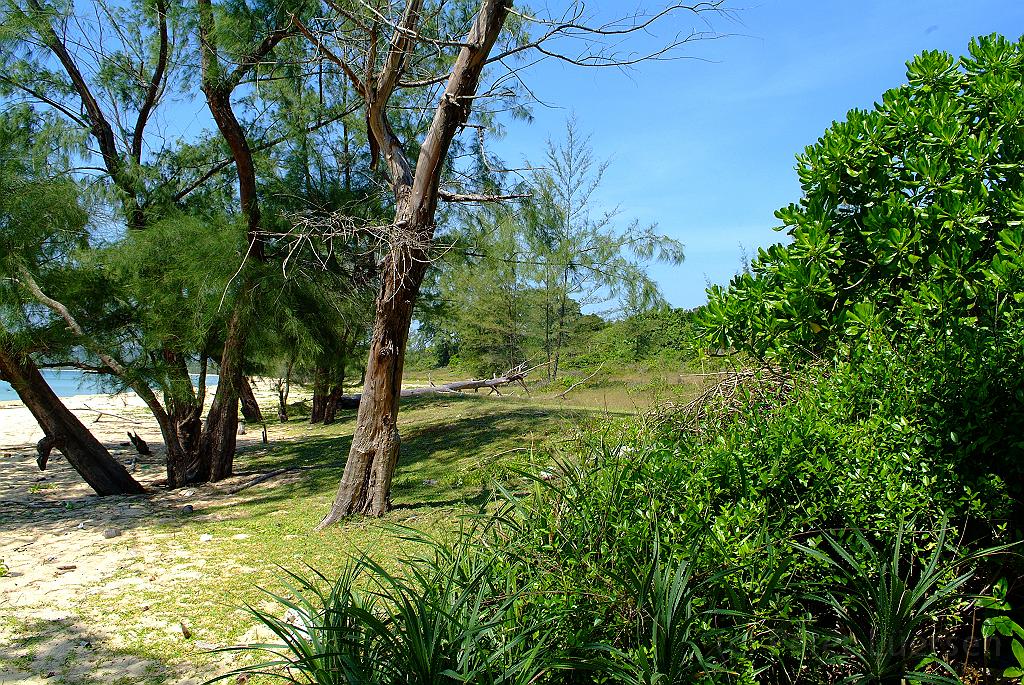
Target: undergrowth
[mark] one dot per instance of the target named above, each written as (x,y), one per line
(810,534)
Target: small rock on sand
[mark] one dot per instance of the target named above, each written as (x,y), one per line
(111,533)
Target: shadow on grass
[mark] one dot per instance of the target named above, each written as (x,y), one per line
(449,449)
(452,448)
(63,650)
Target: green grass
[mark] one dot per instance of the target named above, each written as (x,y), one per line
(453,448)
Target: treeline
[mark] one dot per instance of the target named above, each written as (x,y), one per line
(521,282)
(658,338)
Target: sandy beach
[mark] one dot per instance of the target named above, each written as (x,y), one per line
(108,417)
(60,544)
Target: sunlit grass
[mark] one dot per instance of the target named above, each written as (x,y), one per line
(199,569)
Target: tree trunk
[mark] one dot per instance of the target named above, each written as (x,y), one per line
(216,454)
(334,403)
(284,386)
(338,391)
(250,407)
(63,429)
(282,403)
(321,390)
(182,424)
(181,436)
(366,483)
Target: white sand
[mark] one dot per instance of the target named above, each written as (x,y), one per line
(53,546)
(108,417)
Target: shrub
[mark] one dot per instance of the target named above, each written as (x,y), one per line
(911,215)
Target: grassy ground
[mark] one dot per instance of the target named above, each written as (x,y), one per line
(172,568)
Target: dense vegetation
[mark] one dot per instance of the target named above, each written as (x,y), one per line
(844,510)
(841,503)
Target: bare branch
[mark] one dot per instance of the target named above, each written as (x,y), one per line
(326,52)
(463,197)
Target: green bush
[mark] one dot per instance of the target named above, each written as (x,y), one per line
(725,551)
(910,218)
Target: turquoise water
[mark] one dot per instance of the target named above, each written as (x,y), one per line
(68,382)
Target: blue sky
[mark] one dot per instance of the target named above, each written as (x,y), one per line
(706,147)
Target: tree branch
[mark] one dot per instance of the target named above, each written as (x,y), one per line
(155,83)
(323,49)
(469,197)
(456,102)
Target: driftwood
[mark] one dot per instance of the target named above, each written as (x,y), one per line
(517,375)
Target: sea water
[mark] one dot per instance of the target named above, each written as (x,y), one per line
(68,382)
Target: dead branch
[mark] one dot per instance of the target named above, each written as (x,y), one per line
(517,375)
(470,197)
(729,395)
(576,385)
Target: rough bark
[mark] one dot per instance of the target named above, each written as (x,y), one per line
(182,425)
(216,453)
(366,483)
(63,429)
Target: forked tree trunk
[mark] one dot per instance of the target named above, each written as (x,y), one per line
(334,403)
(181,436)
(63,430)
(182,425)
(216,453)
(366,483)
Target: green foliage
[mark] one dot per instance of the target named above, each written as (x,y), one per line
(1002,624)
(446,621)
(659,336)
(882,605)
(43,226)
(910,217)
(532,271)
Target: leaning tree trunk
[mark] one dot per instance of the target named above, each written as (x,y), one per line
(63,430)
(251,411)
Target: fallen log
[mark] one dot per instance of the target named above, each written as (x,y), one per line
(492,384)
